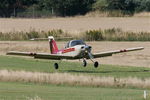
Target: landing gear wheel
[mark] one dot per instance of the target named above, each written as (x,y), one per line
(84,63)
(56,65)
(96,64)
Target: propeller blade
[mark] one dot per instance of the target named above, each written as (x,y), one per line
(90,55)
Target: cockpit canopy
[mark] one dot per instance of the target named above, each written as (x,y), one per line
(74,43)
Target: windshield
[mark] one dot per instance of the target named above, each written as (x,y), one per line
(77,42)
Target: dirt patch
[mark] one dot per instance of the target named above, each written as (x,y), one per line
(137,58)
(77,24)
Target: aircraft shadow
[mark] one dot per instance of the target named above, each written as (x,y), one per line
(79,71)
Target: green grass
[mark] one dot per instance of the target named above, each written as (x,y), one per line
(31,91)
(36,65)
(26,91)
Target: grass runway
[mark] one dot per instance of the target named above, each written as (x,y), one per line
(35,65)
(32,91)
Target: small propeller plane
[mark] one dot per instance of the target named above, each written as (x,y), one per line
(75,49)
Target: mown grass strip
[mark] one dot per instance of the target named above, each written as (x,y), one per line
(30,91)
(46,66)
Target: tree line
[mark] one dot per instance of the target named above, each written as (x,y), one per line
(41,8)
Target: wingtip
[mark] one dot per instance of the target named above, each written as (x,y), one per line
(32,39)
(9,52)
(141,47)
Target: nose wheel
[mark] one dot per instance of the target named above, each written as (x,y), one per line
(56,66)
(96,64)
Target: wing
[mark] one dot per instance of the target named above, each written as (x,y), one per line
(41,55)
(110,53)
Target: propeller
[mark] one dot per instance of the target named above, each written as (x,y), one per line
(91,56)
(88,49)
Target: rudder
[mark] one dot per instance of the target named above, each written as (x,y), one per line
(53,45)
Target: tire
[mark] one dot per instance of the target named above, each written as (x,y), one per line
(96,64)
(56,66)
(84,63)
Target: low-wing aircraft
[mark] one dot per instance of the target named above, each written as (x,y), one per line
(75,49)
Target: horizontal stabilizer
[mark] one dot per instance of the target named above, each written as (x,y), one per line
(21,53)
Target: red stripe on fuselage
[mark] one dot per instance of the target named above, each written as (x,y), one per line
(68,50)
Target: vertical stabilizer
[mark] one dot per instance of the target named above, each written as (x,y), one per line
(53,45)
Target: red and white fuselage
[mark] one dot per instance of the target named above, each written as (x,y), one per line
(71,49)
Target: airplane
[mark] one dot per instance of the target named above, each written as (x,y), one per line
(75,49)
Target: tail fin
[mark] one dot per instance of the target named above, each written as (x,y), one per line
(53,45)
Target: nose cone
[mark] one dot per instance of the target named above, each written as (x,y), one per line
(82,47)
(86,47)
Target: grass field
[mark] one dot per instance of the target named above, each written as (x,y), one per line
(35,65)
(26,91)
(32,79)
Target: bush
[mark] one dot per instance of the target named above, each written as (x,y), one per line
(31,34)
(93,35)
(114,34)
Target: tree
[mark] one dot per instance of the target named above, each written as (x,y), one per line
(100,5)
(7,7)
(67,7)
(125,6)
(142,5)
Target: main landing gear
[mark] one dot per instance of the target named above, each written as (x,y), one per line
(56,66)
